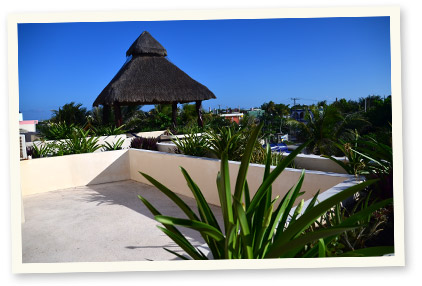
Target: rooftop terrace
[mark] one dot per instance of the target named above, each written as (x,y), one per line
(99,223)
(84,207)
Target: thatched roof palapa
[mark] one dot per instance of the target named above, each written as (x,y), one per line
(147,77)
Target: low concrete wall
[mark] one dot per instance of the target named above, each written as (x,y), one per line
(167,147)
(165,168)
(302,161)
(49,174)
(315,162)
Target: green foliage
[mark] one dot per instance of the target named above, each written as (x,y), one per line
(254,227)
(372,217)
(275,118)
(261,157)
(107,130)
(70,113)
(323,127)
(56,131)
(368,157)
(192,144)
(79,142)
(215,121)
(188,113)
(346,106)
(39,150)
(76,143)
(114,146)
(226,139)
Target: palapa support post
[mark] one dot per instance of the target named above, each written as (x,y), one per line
(199,112)
(117,114)
(106,114)
(173,114)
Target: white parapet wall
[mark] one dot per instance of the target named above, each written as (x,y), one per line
(302,161)
(53,173)
(165,168)
(316,162)
(168,147)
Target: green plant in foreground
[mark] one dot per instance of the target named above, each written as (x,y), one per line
(256,227)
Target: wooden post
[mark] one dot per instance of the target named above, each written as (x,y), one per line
(173,114)
(117,114)
(199,112)
(106,114)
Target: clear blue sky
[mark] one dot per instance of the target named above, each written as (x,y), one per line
(243,62)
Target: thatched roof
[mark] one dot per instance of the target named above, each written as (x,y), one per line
(145,44)
(149,78)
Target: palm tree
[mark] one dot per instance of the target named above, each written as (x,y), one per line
(322,125)
(70,113)
(326,125)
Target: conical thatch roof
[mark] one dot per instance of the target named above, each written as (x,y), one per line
(149,78)
(145,44)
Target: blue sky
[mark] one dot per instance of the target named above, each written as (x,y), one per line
(243,62)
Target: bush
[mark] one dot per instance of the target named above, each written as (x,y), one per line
(56,131)
(144,143)
(192,144)
(114,146)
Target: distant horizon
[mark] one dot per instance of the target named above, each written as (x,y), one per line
(245,63)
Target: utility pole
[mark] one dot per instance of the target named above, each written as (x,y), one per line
(294,100)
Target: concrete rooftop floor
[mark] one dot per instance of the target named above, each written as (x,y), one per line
(100,223)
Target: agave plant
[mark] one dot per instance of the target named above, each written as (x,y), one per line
(41,150)
(192,144)
(114,146)
(255,227)
(81,143)
(56,131)
(225,138)
(108,130)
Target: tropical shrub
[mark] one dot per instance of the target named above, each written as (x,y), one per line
(71,113)
(256,227)
(79,142)
(359,238)
(192,144)
(225,138)
(324,126)
(370,158)
(39,151)
(55,131)
(114,146)
(107,130)
(144,143)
